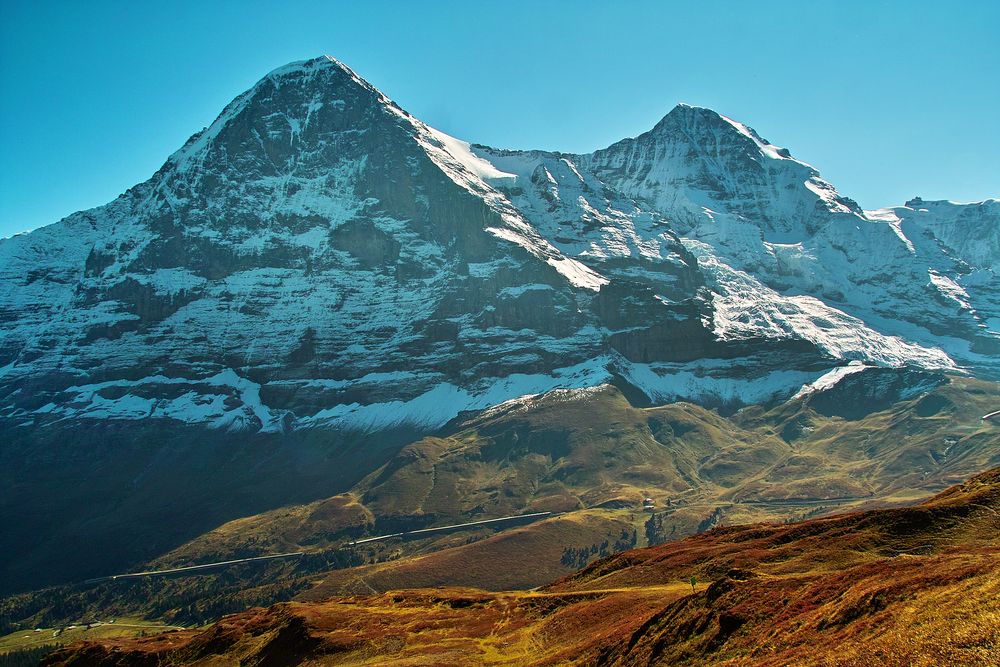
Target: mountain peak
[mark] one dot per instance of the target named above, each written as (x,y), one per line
(684,114)
(684,107)
(313,66)
(293,91)
(690,118)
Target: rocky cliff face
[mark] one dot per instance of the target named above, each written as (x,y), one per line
(300,259)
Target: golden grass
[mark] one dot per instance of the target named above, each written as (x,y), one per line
(521,557)
(860,589)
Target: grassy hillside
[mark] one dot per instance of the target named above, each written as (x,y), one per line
(903,586)
(573,450)
(28,641)
(901,451)
(512,559)
(592,456)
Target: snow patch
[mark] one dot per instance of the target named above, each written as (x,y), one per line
(667,383)
(462,151)
(889,217)
(828,380)
(766,148)
(445,401)
(949,289)
(827,193)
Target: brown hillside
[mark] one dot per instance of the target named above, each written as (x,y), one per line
(513,559)
(963,516)
(904,586)
(572,450)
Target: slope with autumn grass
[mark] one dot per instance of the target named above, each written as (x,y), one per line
(592,455)
(571,450)
(904,586)
(512,559)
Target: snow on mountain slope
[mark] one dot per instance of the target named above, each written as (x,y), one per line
(960,246)
(965,232)
(318,258)
(761,216)
(471,172)
(279,268)
(634,198)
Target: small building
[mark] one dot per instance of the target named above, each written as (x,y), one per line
(648,504)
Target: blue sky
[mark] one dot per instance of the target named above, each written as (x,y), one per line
(887,99)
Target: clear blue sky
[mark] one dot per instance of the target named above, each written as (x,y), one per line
(887,99)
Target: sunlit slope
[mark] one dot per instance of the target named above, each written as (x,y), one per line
(568,451)
(590,458)
(903,586)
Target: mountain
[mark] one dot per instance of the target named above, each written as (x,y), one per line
(318,257)
(318,279)
(903,586)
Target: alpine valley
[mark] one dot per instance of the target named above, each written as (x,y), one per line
(323,319)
